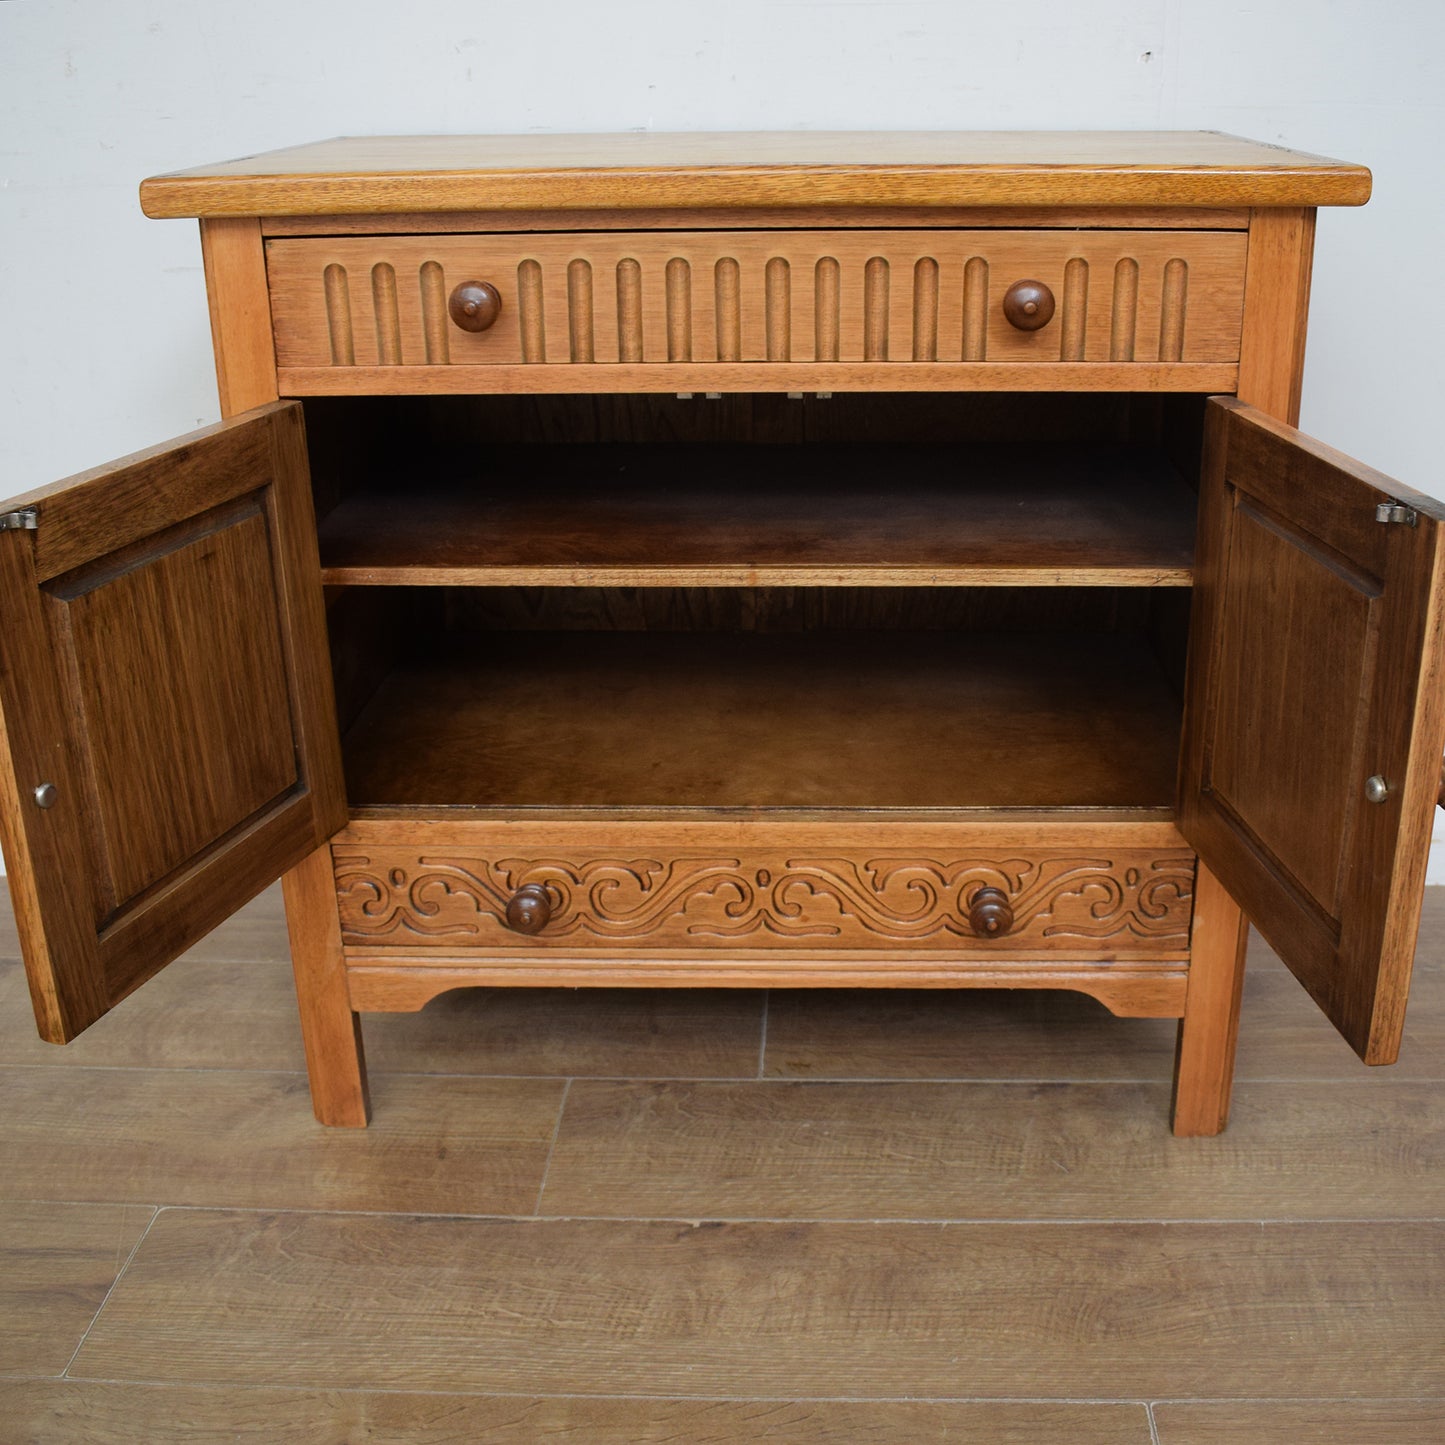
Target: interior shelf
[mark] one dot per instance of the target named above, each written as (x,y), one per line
(767,515)
(798,720)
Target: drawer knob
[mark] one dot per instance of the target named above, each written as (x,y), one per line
(1028,305)
(475,305)
(529,910)
(990,914)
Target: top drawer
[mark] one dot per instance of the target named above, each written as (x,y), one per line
(769,310)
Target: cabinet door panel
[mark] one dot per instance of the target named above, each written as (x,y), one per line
(163,673)
(1315,666)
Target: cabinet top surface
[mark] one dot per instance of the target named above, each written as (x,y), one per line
(355,175)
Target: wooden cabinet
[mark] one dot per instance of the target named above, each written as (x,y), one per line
(743,560)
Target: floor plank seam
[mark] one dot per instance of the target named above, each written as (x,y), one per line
(296,1073)
(119,1275)
(981,1221)
(1300,1400)
(990,1080)
(712,1399)
(763,1037)
(872,1080)
(551,1148)
(1153,1424)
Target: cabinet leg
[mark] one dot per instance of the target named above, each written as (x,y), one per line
(1209,1030)
(330,1030)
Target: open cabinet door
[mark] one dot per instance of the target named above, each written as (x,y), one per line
(168,741)
(1315,710)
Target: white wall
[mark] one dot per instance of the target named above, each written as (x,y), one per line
(104,346)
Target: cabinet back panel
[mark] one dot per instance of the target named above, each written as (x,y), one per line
(780,609)
(457,428)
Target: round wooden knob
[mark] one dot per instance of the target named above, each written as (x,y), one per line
(990,914)
(1028,305)
(475,305)
(529,910)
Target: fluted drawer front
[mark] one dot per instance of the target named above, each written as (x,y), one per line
(776,297)
(1057,902)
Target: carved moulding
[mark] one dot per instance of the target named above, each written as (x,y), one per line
(1134,904)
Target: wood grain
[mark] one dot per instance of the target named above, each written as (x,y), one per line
(1276,311)
(747,378)
(772,516)
(622,218)
(641,1033)
(56,1263)
(1124,613)
(246,1138)
(842,1034)
(1064,1312)
(355,175)
(390,981)
(330,1027)
(1209,1030)
(189,732)
(1300,1422)
(1034,1151)
(171,1023)
(240,305)
(94,1413)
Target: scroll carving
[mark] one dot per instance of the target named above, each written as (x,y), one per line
(1137,905)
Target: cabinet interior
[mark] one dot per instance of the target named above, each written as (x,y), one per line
(858,602)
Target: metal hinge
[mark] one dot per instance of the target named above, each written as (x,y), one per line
(1397,512)
(26,520)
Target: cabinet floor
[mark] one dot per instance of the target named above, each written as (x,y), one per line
(633,1215)
(836,720)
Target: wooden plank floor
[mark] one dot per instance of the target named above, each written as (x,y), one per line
(640,1216)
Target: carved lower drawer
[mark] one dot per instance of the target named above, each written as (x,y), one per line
(1058,903)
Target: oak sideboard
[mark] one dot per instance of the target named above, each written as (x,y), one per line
(737,560)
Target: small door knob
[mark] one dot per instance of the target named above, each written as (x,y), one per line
(529,910)
(1376,789)
(475,305)
(1028,305)
(45,795)
(990,914)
